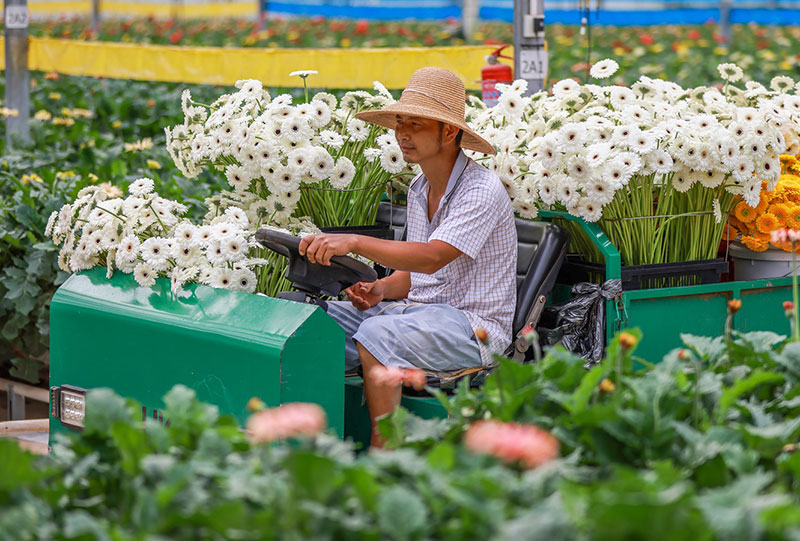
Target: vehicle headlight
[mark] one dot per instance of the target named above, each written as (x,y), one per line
(69,405)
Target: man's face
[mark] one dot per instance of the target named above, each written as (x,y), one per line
(419,138)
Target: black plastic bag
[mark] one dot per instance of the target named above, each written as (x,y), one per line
(579,324)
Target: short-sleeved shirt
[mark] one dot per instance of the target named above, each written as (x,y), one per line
(476,217)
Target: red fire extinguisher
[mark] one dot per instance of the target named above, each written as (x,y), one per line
(492,73)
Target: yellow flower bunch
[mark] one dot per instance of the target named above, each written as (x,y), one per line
(33,177)
(66,175)
(142,144)
(776,209)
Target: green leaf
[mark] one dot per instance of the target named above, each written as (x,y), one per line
(742,386)
(789,358)
(17,466)
(80,523)
(104,408)
(315,477)
(26,369)
(401,513)
(710,349)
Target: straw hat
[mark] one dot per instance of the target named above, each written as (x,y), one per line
(433,93)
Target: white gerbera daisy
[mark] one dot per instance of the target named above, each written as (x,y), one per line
(358,129)
(239,177)
(296,129)
(155,253)
(144,275)
(597,153)
(331,139)
(642,142)
(141,186)
(781,84)
(548,187)
(321,164)
(392,159)
(604,69)
(578,168)
(300,160)
(621,96)
(730,72)
(244,280)
(205,233)
(599,191)
(215,253)
(567,191)
(329,99)
(372,154)
(222,278)
(571,137)
(286,178)
(660,161)
(682,180)
(589,210)
(234,247)
(237,216)
(566,87)
(187,254)
(742,169)
(712,178)
(343,173)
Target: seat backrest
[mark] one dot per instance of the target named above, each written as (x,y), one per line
(541,248)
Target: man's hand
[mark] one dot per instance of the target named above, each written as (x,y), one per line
(365,295)
(321,248)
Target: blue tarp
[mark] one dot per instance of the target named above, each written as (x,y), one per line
(613,13)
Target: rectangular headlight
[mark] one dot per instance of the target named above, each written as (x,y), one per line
(69,405)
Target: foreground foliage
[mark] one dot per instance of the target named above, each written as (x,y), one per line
(700,446)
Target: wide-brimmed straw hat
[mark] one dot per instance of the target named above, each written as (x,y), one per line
(433,93)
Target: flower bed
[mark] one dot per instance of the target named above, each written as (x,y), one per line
(685,54)
(702,446)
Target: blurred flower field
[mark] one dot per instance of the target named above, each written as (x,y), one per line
(687,55)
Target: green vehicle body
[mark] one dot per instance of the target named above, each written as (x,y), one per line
(230,346)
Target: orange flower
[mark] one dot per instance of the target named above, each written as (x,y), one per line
(757,245)
(781,213)
(744,212)
(793,217)
(734,305)
(730,233)
(767,222)
(762,235)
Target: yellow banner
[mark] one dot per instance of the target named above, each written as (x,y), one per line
(338,68)
(165,10)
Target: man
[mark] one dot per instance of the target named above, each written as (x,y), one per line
(454,275)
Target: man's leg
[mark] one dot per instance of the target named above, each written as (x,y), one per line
(429,337)
(381,399)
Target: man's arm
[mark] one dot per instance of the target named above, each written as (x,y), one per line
(423,257)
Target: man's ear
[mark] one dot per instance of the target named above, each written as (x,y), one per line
(449,133)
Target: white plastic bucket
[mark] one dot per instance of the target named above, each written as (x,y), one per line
(750,265)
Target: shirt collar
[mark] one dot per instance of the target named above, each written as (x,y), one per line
(459,166)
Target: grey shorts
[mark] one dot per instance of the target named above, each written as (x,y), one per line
(435,337)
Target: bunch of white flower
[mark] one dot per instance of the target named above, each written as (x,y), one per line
(270,148)
(144,234)
(580,147)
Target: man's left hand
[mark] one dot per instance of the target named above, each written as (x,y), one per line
(320,248)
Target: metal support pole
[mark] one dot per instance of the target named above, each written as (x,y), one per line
(530,55)
(96,16)
(725,19)
(16,405)
(17,79)
(469,17)
(262,12)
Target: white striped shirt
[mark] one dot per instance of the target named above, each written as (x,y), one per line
(475,216)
